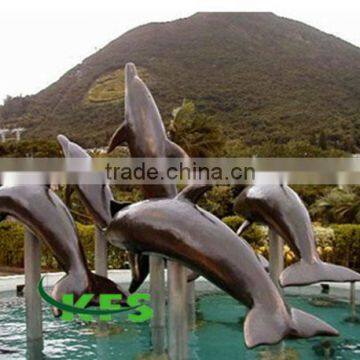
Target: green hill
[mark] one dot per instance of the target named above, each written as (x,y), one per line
(264,78)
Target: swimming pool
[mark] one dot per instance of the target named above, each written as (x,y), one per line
(218,334)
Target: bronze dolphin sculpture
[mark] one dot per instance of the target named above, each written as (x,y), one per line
(144,132)
(282,210)
(43,212)
(178,229)
(95,197)
(97,200)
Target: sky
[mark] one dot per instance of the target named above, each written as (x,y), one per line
(42,39)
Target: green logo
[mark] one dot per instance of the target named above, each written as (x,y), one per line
(106,309)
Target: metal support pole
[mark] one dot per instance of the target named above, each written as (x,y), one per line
(34,349)
(178,328)
(157,294)
(353,300)
(276,256)
(32,278)
(191,304)
(101,264)
(100,253)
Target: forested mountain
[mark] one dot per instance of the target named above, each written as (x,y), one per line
(262,77)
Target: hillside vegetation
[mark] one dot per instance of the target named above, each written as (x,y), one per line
(264,79)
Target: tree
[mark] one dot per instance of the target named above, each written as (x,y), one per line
(322,140)
(14,106)
(338,206)
(199,135)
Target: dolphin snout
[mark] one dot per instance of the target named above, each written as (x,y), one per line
(64,142)
(115,237)
(130,71)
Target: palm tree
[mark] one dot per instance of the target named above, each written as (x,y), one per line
(198,134)
(338,206)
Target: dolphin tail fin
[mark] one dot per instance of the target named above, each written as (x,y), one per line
(69,284)
(307,325)
(303,273)
(263,327)
(140,267)
(79,285)
(119,137)
(102,285)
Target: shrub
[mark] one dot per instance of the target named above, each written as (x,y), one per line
(12,248)
(255,235)
(233,222)
(198,134)
(338,244)
(27,148)
(218,201)
(346,246)
(11,244)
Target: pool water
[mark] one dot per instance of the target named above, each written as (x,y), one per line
(218,334)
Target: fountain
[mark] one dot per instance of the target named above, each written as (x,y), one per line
(189,237)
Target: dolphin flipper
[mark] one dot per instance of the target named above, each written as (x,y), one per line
(118,138)
(243,227)
(262,327)
(140,267)
(303,273)
(175,151)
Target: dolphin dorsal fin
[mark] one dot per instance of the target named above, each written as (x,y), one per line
(116,206)
(193,192)
(119,137)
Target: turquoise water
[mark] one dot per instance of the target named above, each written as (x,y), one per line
(218,334)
